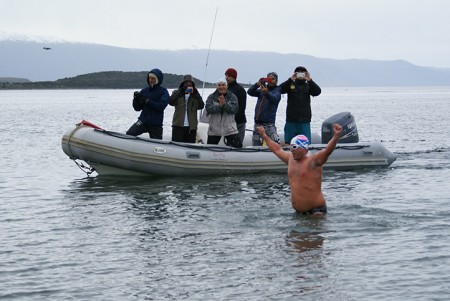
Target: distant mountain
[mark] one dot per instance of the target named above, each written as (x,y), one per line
(25,59)
(14,80)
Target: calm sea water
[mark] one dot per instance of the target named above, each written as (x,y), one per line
(65,236)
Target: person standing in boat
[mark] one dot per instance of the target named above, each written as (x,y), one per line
(299,88)
(269,96)
(239,91)
(187,101)
(221,106)
(151,101)
(305,170)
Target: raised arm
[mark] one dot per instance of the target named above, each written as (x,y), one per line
(321,157)
(273,146)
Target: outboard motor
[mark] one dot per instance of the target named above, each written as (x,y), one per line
(349,130)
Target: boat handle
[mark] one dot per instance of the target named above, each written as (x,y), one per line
(193,155)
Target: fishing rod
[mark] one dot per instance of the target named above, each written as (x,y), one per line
(209,49)
(203,118)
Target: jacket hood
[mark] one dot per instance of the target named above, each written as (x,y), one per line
(186,78)
(159,75)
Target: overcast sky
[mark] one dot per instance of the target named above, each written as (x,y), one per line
(412,30)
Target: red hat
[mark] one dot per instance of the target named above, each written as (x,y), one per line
(231,72)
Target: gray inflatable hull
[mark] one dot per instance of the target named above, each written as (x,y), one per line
(112,153)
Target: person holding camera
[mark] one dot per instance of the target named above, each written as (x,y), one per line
(299,88)
(269,96)
(187,101)
(239,91)
(221,106)
(151,101)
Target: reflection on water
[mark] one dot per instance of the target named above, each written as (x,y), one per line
(305,242)
(224,238)
(217,232)
(304,239)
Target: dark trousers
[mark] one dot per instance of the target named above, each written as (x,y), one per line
(231,140)
(183,134)
(139,128)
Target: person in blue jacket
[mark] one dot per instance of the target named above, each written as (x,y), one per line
(151,101)
(269,96)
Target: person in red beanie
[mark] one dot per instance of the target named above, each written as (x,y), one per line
(239,91)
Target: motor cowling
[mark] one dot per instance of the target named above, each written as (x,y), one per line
(349,129)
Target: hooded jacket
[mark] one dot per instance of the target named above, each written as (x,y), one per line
(221,119)
(194,103)
(299,93)
(156,100)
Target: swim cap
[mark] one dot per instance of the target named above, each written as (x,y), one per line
(300,141)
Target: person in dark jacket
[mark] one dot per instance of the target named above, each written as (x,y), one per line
(187,101)
(239,91)
(299,88)
(151,101)
(269,96)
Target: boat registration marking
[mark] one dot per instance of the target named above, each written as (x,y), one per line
(159,150)
(218,156)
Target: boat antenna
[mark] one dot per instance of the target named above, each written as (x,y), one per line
(209,48)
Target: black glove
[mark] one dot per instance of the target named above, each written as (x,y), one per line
(139,98)
(136,97)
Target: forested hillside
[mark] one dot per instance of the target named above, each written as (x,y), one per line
(102,80)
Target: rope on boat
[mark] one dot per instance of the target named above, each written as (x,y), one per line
(191,146)
(346,147)
(86,169)
(219,148)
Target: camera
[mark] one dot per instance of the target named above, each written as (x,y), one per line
(189,90)
(265,80)
(301,74)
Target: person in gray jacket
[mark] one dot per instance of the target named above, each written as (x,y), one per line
(221,106)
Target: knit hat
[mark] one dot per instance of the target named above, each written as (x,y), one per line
(300,69)
(300,141)
(273,74)
(231,72)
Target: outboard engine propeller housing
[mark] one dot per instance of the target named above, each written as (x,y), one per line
(349,130)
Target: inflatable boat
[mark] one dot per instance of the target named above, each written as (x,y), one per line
(111,153)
